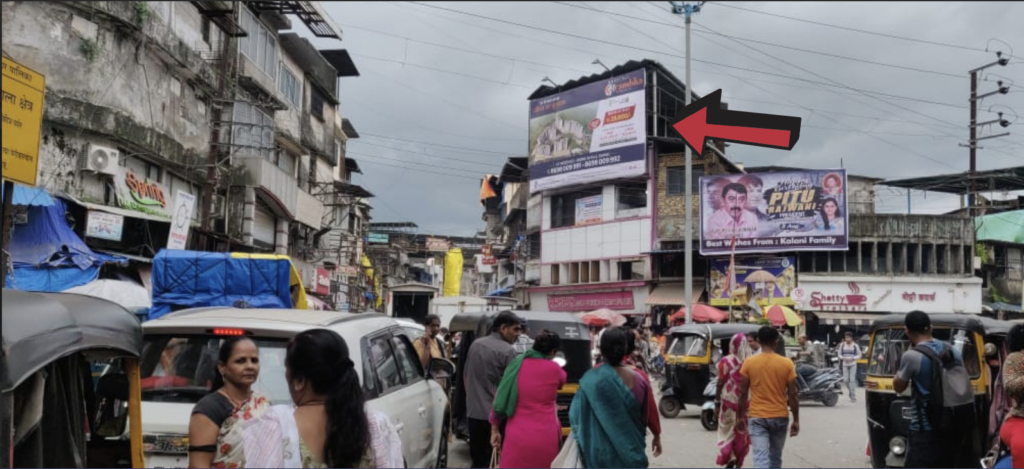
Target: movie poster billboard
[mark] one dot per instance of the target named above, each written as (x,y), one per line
(595,132)
(771,278)
(773,212)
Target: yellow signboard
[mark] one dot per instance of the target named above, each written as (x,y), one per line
(23,120)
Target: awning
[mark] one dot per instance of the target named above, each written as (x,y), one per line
(847,319)
(674,294)
(117,211)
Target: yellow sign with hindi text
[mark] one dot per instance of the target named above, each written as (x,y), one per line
(23,91)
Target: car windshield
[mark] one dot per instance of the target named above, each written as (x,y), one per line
(890,344)
(181,369)
(689,346)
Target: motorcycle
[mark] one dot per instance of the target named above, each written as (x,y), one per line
(824,385)
(707,412)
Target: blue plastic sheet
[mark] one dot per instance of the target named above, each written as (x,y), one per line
(190,279)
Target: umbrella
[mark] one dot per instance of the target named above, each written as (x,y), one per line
(701,313)
(780,315)
(604,317)
(760,276)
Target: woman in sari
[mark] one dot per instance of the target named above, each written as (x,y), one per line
(215,429)
(608,414)
(1012,432)
(733,438)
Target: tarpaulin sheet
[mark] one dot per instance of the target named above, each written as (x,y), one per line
(30,197)
(190,279)
(1006,227)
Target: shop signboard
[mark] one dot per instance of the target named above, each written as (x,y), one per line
(23,91)
(772,279)
(774,212)
(141,194)
(583,302)
(322,284)
(891,295)
(437,245)
(103,225)
(184,205)
(589,210)
(591,133)
(348,271)
(378,238)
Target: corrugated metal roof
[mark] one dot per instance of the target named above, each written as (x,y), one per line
(30,197)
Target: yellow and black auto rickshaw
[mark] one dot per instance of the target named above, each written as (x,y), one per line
(888,414)
(690,366)
(576,348)
(55,414)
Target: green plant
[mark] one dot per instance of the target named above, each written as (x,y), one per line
(90,49)
(998,297)
(983,252)
(141,12)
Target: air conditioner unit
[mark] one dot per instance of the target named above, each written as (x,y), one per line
(99,159)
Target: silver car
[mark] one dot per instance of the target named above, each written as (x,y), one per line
(180,356)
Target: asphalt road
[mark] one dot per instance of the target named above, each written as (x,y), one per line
(829,437)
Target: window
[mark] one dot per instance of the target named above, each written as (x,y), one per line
(207,30)
(253,131)
(821,261)
(290,87)
(853,258)
(563,207)
(631,270)
(389,375)
(316,103)
(837,261)
(689,346)
(286,161)
(632,196)
(676,184)
(408,361)
(370,386)
(154,173)
(889,345)
(942,259)
(805,262)
(927,251)
(671,265)
(555,274)
(867,258)
(882,258)
(260,46)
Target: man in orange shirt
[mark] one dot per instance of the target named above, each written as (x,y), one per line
(771,381)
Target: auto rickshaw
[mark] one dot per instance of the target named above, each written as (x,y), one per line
(53,413)
(576,347)
(888,414)
(690,366)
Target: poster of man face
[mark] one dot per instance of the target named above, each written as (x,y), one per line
(772,212)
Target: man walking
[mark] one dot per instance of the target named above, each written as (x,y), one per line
(485,365)
(936,437)
(850,352)
(770,380)
(755,346)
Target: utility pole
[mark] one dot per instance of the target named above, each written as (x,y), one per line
(972,202)
(224,95)
(687,10)
(7,213)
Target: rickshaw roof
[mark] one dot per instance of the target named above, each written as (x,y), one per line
(717,331)
(995,326)
(39,328)
(964,321)
(472,321)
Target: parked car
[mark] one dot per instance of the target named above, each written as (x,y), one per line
(411,329)
(180,355)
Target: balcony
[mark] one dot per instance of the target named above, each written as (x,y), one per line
(912,228)
(266,176)
(309,211)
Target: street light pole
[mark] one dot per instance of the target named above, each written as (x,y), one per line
(687,10)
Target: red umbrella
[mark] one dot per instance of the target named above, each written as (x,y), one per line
(701,313)
(603,317)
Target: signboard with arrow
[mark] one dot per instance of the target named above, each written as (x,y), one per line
(705,119)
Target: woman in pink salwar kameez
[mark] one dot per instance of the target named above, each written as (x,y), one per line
(533,434)
(733,435)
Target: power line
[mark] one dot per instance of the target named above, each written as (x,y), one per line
(847,28)
(466,149)
(415,123)
(407,64)
(429,154)
(457,176)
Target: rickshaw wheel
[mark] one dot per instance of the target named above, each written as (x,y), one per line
(442,451)
(708,420)
(669,407)
(830,399)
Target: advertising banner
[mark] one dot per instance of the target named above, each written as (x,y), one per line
(773,212)
(184,205)
(378,238)
(588,210)
(592,133)
(141,194)
(348,271)
(103,225)
(437,245)
(487,255)
(591,301)
(771,278)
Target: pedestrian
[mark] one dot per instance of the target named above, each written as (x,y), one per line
(333,426)
(849,351)
(936,431)
(607,415)
(1012,432)
(755,346)
(215,427)
(486,362)
(523,343)
(526,403)
(733,434)
(770,380)
(653,417)
(429,345)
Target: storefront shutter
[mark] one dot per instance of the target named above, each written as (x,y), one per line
(264,227)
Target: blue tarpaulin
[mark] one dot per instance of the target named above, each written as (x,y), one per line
(190,279)
(48,256)
(500,292)
(30,197)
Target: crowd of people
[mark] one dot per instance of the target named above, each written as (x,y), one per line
(512,402)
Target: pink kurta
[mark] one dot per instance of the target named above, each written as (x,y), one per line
(533,435)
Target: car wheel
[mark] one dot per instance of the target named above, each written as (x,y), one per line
(442,449)
(830,399)
(669,407)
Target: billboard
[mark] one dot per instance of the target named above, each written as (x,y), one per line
(589,210)
(772,212)
(595,132)
(771,278)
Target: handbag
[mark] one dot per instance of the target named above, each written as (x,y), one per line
(569,456)
(495,458)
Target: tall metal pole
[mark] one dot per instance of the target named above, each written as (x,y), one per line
(973,143)
(688,256)
(8,195)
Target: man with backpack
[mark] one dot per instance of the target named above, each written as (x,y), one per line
(942,413)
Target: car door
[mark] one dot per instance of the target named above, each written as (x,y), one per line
(418,389)
(393,397)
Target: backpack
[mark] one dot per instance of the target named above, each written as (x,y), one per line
(951,401)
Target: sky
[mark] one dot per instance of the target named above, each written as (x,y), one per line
(882,87)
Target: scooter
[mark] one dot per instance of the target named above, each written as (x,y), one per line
(824,385)
(707,411)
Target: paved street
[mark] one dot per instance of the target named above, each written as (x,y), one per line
(829,437)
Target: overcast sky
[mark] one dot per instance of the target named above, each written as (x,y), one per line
(445,92)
